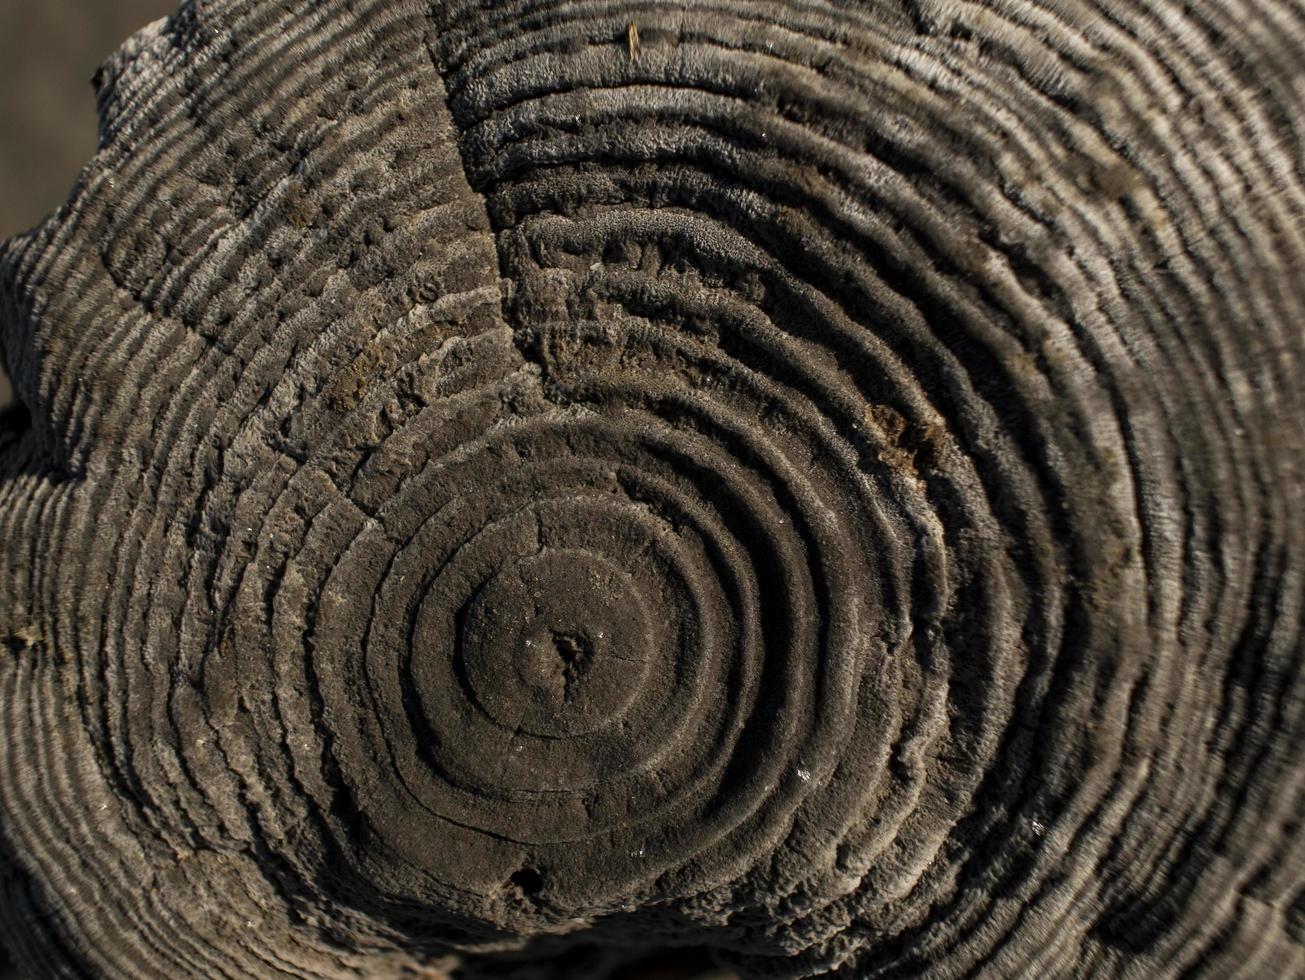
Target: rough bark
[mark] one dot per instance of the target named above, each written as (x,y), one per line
(516,484)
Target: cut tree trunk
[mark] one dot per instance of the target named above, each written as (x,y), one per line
(500,488)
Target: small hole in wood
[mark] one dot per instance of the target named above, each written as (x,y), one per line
(527,881)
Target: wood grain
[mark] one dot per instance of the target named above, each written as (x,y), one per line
(823,488)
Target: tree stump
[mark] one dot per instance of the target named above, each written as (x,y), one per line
(500,488)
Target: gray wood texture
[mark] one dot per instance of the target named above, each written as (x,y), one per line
(501,487)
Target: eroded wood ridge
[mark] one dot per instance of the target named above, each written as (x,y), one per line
(501,487)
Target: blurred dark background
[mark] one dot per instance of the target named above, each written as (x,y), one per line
(49,49)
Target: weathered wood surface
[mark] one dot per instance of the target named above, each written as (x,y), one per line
(817,481)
